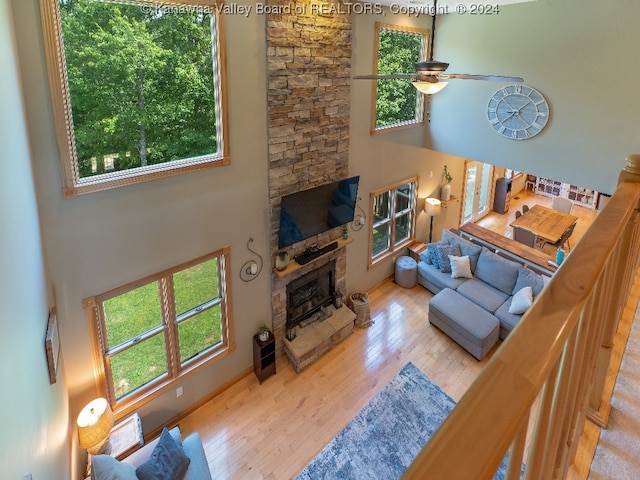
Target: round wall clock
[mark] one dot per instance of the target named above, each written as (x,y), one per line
(518,112)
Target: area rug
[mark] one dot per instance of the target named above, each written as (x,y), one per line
(388,433)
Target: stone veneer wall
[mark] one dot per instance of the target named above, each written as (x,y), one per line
(308,70)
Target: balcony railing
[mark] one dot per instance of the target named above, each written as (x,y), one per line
(535,394)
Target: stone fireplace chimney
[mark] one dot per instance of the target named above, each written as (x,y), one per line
(309,68)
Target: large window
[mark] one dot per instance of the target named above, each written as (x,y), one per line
(393,211)
(397,102)
(137,88)
(156,330)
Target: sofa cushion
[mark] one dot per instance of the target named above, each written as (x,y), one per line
(105,467)
(466,247)
(521,301)
(497,271)
(507,320)
(199,467)
(435,280)
(460,267)
(482,294)
(167,461)
(529,278)
(442,254)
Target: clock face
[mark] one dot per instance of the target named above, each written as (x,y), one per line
(518,112)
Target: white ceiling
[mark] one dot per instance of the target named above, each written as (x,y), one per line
(425,7)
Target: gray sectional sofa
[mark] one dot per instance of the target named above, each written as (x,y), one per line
(482,291)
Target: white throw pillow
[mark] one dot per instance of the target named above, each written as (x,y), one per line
(460,266)
(521,301)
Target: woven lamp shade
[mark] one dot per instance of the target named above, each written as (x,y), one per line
(94,424)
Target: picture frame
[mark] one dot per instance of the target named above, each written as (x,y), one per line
(52,346)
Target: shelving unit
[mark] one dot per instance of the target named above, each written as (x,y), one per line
(584,197)
(264,357)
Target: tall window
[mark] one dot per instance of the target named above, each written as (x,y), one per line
(397,102)
(393,211)
(154,331)
(137,88)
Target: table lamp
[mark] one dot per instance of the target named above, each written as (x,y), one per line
(432,207)
(94,424)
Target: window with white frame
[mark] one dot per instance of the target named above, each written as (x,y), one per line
(393,214)
(138,89)
(397,103)
(154,331)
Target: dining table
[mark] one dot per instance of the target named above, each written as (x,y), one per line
(548,224)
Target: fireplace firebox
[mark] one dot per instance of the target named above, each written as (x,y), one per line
(308,294)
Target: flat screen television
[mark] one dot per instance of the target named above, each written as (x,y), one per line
(310,212)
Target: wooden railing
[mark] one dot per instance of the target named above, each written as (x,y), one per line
(535,393)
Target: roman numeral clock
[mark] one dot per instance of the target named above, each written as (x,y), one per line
(518,112)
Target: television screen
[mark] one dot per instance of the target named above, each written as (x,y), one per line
(309,212)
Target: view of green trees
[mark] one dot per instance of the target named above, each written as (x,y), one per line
(397,53)
(141,84)
(138,312)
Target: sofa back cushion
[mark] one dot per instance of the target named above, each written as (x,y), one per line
(466,247)
(497,271)
(529,278)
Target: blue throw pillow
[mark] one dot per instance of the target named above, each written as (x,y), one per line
(431,253)
(167,461)
(443,252)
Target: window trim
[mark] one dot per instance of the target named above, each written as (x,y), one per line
(93,307)
(420,117)
(72,184)
(393,248)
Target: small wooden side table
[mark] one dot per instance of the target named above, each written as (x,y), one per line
(415,249)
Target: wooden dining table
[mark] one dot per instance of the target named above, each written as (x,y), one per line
(547,223)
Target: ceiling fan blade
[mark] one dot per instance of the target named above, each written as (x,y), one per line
(395,76)
(466,76)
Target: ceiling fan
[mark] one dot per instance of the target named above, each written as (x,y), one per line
(429,74)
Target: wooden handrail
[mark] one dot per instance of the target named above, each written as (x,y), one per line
(551,361)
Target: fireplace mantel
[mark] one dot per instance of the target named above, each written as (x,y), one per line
(294,266)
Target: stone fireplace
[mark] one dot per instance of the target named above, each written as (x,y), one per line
(308,295)
(309,69)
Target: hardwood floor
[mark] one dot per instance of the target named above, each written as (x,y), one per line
(271,431)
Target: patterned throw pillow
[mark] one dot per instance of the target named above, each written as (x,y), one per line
(443,252)
(431,253)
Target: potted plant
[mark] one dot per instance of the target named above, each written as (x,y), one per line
(263,333)
(445,193)
(345,231)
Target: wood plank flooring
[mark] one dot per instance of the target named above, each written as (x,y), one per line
(271,431)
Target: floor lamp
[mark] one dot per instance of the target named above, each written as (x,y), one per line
(432,207)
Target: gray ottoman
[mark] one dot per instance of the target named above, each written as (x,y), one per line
(470,326)
(406,272)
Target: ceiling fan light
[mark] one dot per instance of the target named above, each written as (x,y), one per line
(429,88)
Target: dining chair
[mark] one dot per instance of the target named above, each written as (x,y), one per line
(518,213)
(561,204)
(524,236)
(525,208)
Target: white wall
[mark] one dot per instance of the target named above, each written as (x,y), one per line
(580,54)
(34,414)
(99,241)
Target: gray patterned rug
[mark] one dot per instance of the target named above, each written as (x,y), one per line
(387,434)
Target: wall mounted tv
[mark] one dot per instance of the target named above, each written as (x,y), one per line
(309,212)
